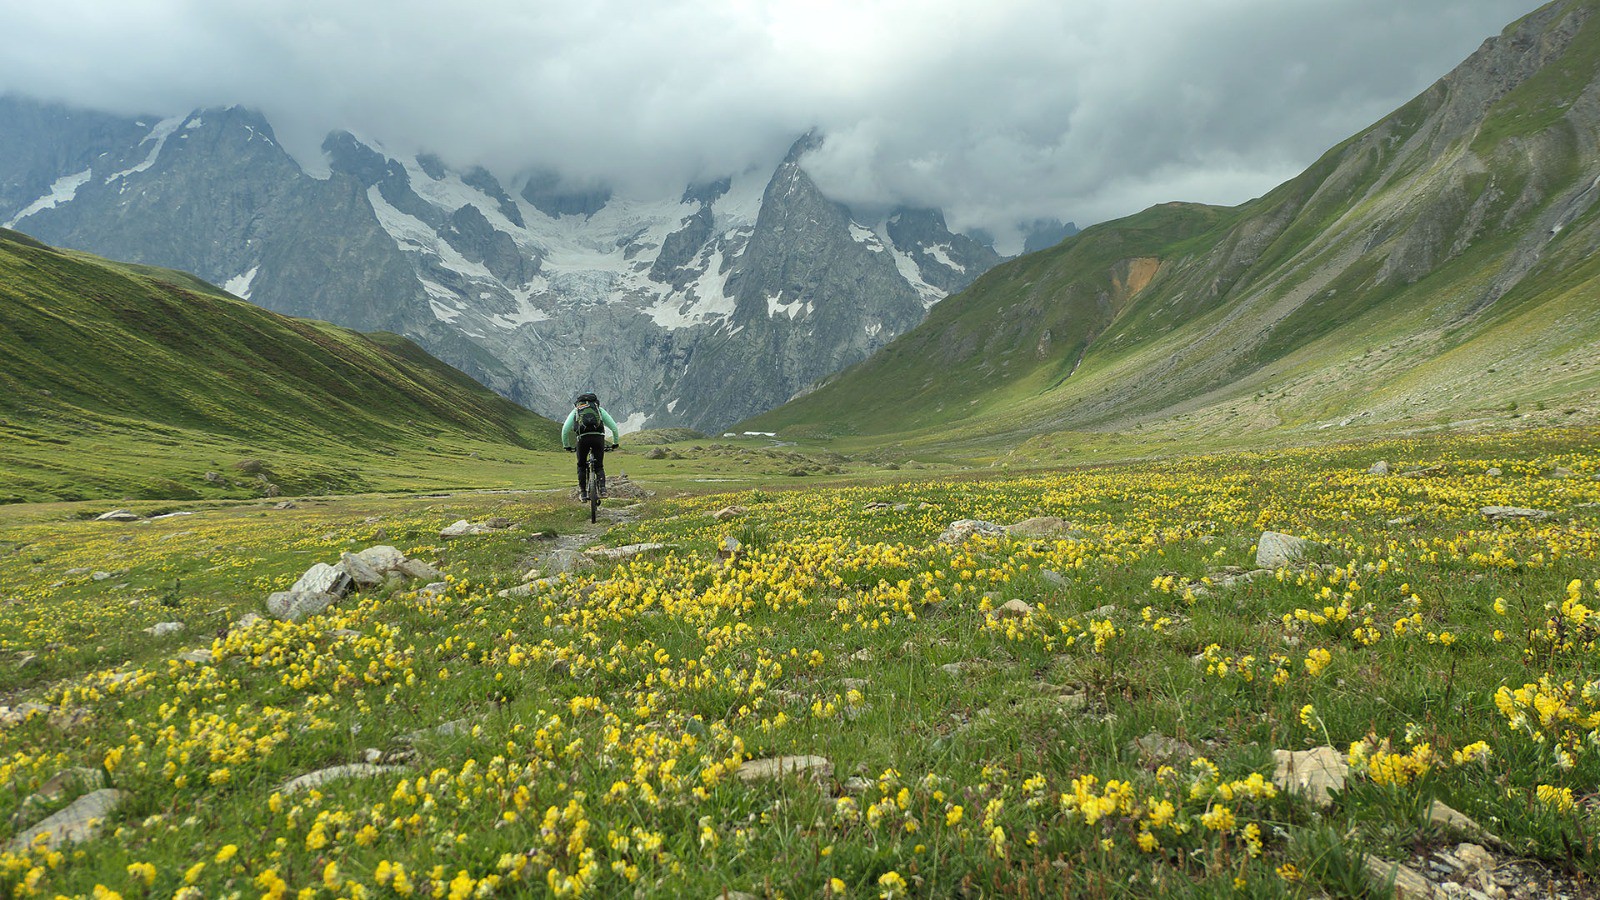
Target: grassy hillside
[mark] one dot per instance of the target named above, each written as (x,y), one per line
(1437,268)
(123,380)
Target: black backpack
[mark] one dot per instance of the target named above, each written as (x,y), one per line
(589,421)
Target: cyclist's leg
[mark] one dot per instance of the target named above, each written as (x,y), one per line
(599,463)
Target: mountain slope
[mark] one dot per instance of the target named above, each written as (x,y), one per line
(537,289)
(1437,267)
(123,379)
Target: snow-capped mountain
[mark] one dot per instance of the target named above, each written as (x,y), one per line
(699,309)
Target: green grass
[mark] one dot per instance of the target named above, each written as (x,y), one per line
(603,718)
(124,381)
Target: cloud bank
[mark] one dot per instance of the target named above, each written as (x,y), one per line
(998,112)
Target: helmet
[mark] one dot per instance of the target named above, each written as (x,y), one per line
(587,397)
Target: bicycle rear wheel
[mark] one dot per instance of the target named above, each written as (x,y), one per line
(594,496)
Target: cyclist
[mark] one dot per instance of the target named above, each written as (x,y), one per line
(585,432)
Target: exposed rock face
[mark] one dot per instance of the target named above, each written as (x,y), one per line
(538,291)
(1311,773)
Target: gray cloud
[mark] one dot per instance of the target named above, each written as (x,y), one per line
(998,112)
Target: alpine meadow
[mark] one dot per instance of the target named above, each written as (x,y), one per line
(1211,551)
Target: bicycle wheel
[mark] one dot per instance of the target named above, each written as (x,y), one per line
(594,496)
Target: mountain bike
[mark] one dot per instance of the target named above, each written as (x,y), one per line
(591,486)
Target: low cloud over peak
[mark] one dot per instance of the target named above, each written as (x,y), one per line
(998,113)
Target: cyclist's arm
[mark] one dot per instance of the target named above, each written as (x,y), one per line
(616,435)
(568,439)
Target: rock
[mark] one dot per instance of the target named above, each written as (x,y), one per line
(1275,550)
(1426,471)
(71,781)
(961,530)
(726,894)
(1053,577)
(1457,821)
(118,515)
(531,589)
(1498,513)
(1408,883)
(1312,773)
(1561,472)
(813,767)
(435,589)
(1104,612)
(162,629)
(100,576)
(1038,526)
(655,453)
(418,570)
(1013,609)
(568,561)
(451,728)
(287,504)
(73,573)
(729,551)
(296,606)
(1475,857)
(854,684)
(80,821)
(624,552)
(728,512)
(202,657)
(1073,701)
(1493,472)
(1381,467)
(216,478)
(361,573)
(383,558)
(461,528)
(323,579)
(345,634)
(954,669)
(334,773)
(864,655)
(27,661)
(246,620)
(498,523)
(1157,746)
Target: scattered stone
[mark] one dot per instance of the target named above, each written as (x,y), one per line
(1157,746)
(1275,550)
(875,505)
(118,515)
(202,657)
(323,579)
(452,728)
(726,894)
(1499,513)
(863,655)
(463,528)
(1073,701)
(334,773)
(246,620)
(1054,577)
(1475,858)
(1561,472)
(80,821)
(1013,609)
(418,570)
(383,558)
(27,661)
(1435,469)
(961,530)
(1408,883)
(1381,467)
(361,573)
(73,573)
(286,504)
(729,551)
(655,453)
(296,606)
(1104,612)
(728,512)
(1402,520)
(345,634)
(162,629)
(1038,526)
(100,576)
(1312,773)
(813,767)
(76,780)
(435,589)
(625,552)
(1459,822)
(216,478)
(531,589)
(854,684)
(568,561)
(1494,472)
(855,784)
(954,669)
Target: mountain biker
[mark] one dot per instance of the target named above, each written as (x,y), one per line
(585,432)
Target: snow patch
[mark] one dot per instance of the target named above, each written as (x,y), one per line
(796,309)
(632,423)
(875,329)
(61,191)
(239,285)
(526,314)
(672,407)
(193,123)
(443,301)
(411,233)
(702,300)
(909,270)
(159,134)
(941,253)
(863,235)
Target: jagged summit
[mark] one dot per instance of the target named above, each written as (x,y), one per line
(674,306)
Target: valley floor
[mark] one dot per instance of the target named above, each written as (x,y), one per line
(829,692)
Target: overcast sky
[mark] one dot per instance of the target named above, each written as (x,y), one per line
(998,111)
